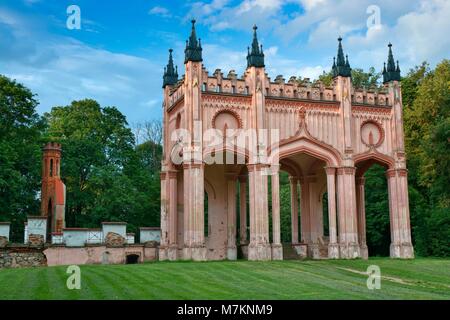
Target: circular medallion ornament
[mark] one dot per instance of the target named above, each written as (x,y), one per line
(372,133)
(228,118)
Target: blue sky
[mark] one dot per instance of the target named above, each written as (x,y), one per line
(118,55)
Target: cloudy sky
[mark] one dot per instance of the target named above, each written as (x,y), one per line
(118,55)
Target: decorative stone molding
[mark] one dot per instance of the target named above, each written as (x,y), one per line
(369,141)
(228,111)
(346,170)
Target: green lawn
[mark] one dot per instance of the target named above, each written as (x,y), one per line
(414,279)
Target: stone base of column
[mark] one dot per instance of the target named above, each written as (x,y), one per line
(232,253)
(313,251)
(364,251)
(407,251)
(333,251)
(187,253)
(301,249)
(162,253)
(277,252)
(199,254)
(172,252)
(244,250)
(259,252)
(349,251)
(402,251)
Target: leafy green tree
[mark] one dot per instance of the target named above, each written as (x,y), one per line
(20,161)
(360,78)
(377,211)
(107,177)
(427,137)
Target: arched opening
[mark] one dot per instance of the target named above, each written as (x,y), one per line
(304,216)
(223,171)
(372,201)
(377,218)
(206,213)
(285,208)
(51,167)
(132,259)
(49,219)
(325,218)
(178,121)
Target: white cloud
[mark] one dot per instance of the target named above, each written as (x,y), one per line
(160,11)
(417,36)
(61,69)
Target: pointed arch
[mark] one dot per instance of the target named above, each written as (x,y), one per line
(310,146)
(364,161)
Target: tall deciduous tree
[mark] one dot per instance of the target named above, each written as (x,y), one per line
(105,175)
(20,129)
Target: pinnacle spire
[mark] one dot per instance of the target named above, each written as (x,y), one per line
(391,72)
(193,51)
(255,55)
(170,73)
(341,66)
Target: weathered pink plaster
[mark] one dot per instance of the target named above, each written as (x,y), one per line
(60,255)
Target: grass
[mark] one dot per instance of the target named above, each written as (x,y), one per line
(339,279)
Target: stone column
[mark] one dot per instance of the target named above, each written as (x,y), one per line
(294,209)
(304,211)
(194,236)
(243,209)
(259,247)
(361,208)
(172,252)
(313,246)
(401,245)
(333,247)
(164,242)
(231,217)
(277,249)
(348,226)
(405,224)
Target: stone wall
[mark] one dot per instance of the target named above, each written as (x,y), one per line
(98,254)
(18,257)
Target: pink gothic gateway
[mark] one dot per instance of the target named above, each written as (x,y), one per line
(327,138)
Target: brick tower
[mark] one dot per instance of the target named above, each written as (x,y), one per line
(53,190)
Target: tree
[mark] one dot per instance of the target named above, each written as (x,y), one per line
(360,78)
(427,138)
(20,164)
(105,173)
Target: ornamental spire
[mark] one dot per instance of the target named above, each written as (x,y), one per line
(193,51)
(341,67)
(391,73)
(170,73)
(255,57)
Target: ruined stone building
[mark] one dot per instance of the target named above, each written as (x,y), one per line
(324,137)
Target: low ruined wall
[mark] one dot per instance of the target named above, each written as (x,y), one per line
(25,256)
(18,257)
(101,254)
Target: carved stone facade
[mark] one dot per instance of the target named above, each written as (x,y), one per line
(326,138)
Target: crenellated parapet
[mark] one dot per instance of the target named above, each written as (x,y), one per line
(280,89)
